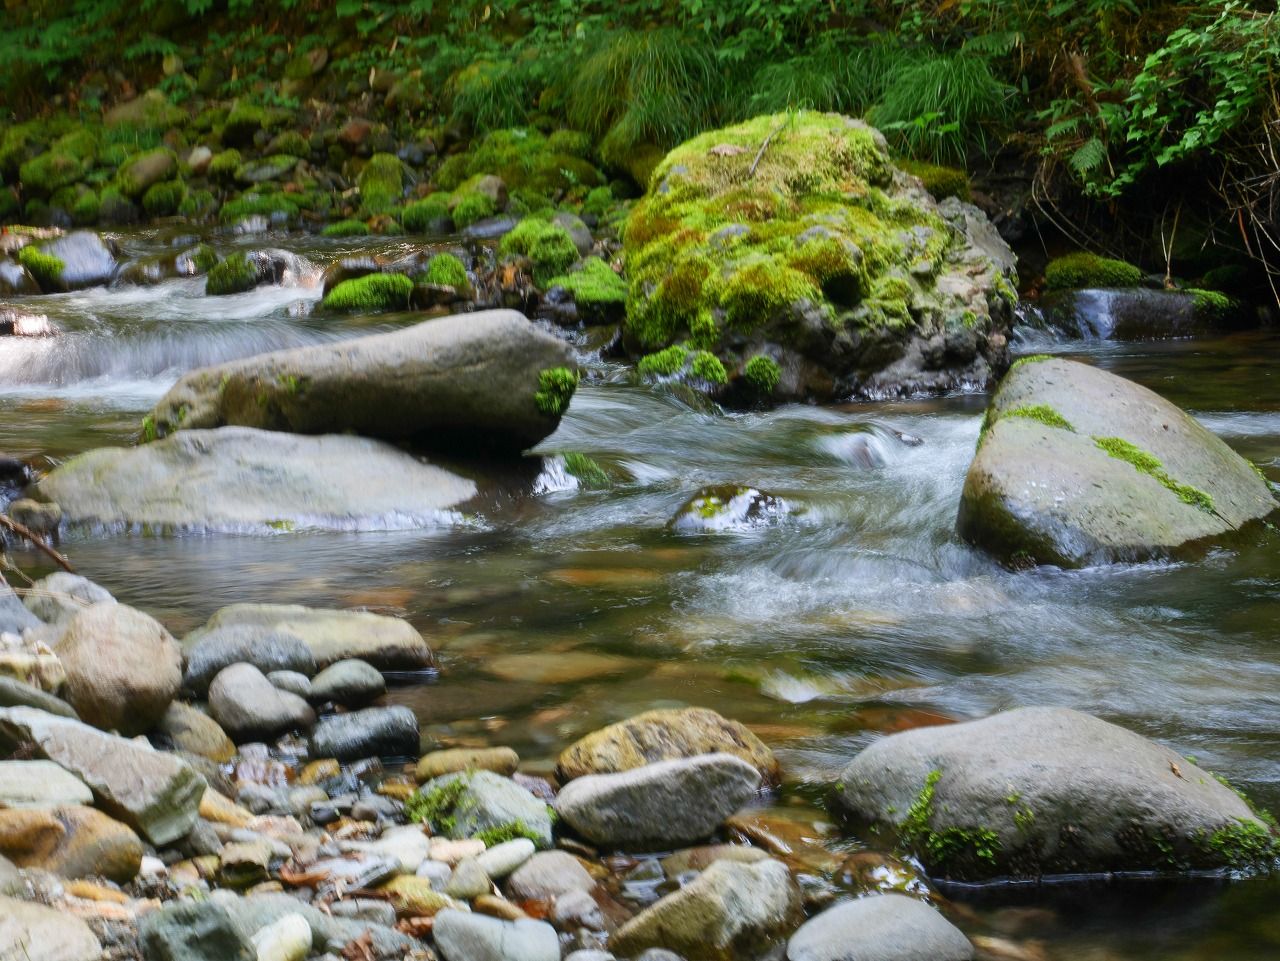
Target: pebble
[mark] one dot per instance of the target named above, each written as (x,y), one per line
(502,859)
(468,880)
(288,939)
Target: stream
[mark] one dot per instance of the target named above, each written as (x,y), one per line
(558,610)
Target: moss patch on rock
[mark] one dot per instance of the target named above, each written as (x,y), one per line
(1148,463)
(548,246)
(556,386)
(45,268)
(346,228)
(763,373)
(381,182)
(1043,414)
(1085,270)
(596,287)
(234,275)
(370,294)
(940,181)
(526,160)
(448,270)
(427,215)
(473,206)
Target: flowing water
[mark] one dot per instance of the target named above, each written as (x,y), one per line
(858,613)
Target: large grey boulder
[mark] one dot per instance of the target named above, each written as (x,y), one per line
(487,802)
(462,936)
(1076,466)
(730,910)
(192,931)
(237,479)
(61,596)
(1045,790)
(264,647)
(154,793)
(467,381)
(123,668)
(250,707)
(87,261)
(659,805)
(388,643)
(884,927)
(34,932)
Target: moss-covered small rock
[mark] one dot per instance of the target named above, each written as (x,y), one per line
(599,293)
(448,271)
(381,183)
(427,216)
(234,275)
(164,198)
(370,294)
(1084,270)
(548,246)
(346,228)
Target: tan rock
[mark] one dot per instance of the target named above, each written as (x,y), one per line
(71,841)
(499,760)
(219,808)
(196,733)
(33,932)
(414,897)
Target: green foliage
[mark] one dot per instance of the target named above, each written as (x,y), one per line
(370,294)
(224,164)
(346,228)
(234,275)
(549,246)
(1147,463)
(422,215)
(556,386)
(448,270)
(45,268)
(763,373)
(198,204)
(1082,270)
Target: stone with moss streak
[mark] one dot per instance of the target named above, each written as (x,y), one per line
(1036,492)
(467,379)
(1053,790)
(827,257)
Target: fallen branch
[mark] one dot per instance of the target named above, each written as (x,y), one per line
(26,533)
(763,147)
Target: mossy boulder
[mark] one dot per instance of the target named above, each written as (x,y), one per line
(429,215)
(381,183)
(164,198)
(1140,313)
(793,237)
(599,293)
(547,246)
(525,160)
(448,271)
(1044,790)
(234,275)
(145,170)
(1081,270)
(370,294)
(43,175)
(1076,466)
(77,260)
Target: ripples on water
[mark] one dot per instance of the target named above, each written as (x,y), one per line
(858,612)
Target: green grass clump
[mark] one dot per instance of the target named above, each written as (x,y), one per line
(424,215)
(346,228)
(234,275)
(381,183)
(45,268)
(164,198)
(268,205)
(1042,413)
(1084,270)
(587,471)
(1147,463)
(473,206)
(594,285)
(370,294)
(663,363)
(763,373)
(549,246)
(556,386)
(448,270)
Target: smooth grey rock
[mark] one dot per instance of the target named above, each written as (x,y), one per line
(468,881)
(578,909)
(1137,313)
(549,875)
(460,936)
(14,616)
(589,954)
(240,480)
(365,909)
(253,913)
(192,931)
(884,927)
(351,683)
(291,681)
(1054,791)
(15,693)
(33,932)
(659,805)
(375,731)
(248,706)
(501,859)
(87,260)
(123,668)
(40,784)
(62,595)
(265,648)
(388,643)
(156,794)
(730,909)
(463,381)
(489,801)
(1037,492)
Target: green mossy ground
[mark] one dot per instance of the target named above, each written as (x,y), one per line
(471,207)
(370,294)
(1083,270)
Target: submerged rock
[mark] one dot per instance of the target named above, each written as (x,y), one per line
(1136,313)
(238,479)
(487,379)
(214,647)
(1077,466)
(1042,790)
(727,508)
(787,257)
(886,927)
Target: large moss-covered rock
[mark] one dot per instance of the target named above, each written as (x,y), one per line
(488,379)
(239,480)
(793,239)
(1049,790)
(1077,466)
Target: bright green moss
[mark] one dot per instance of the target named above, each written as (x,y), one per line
(510,831)
(761,291)
(381,183)
(530,164)
(952,846)
(270,205)
(572,142)
(44,174)
(434,807)
(85,209)
(594,284)
(587,471)
(448,270)
(549,246)
(707,366)
(346,228)
(1041,413)
(148,431)
(664,363)
(940,181)
(427,214)
(234,275)
(45,268)
(763,373)
(556,386)
(370,294)
(1213,305)
(1084,270)
(473,206)
(163,199)
(224,164)
(598,201)
(1029,359)
(198,204)
(1148,463)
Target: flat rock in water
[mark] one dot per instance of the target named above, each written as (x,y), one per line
(462,936)
(467,381)
(375,731)
(156,794)
(33,932)
(1043,790)
(659,805)
(40,784)
(1077,466)
(236,479)
(350,683)
(887,927)
(388,643)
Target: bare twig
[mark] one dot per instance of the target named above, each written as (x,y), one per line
(28,534)
(763,147)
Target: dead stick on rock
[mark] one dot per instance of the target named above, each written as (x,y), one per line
(28,534)
(763,147)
